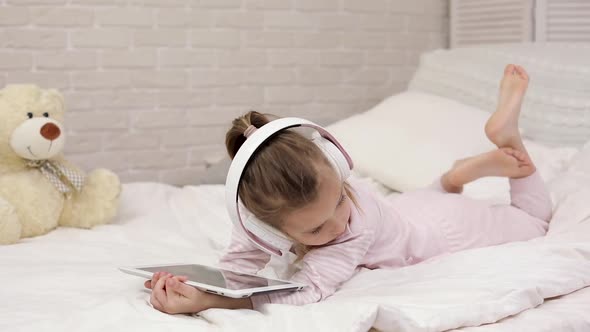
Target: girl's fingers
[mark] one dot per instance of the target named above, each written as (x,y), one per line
(180,287)
(159,292)
(170,291)
(152,282)
(156,276)
(155,303)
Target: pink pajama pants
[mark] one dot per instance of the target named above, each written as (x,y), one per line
(447,222)
(479,224)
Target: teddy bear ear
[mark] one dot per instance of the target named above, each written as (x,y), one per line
(57,97)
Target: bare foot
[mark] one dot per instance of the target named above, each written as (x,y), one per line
(505,162)
(502,126)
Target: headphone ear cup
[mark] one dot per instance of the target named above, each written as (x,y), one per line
(334,156)
(265,232)
(268,233)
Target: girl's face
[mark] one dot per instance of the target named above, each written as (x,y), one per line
(324,219)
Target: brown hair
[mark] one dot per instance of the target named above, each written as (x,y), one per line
(282,176)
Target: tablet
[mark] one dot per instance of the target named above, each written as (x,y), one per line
(217,281)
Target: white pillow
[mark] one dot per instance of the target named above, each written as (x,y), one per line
(555,110)
(410,139)
(580,163)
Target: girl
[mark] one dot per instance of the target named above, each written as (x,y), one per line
(340,227)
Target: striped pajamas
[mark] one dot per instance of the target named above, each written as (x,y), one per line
(400,231)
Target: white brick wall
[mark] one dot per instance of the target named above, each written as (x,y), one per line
(152,85)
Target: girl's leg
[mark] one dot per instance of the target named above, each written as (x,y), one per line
(527,193)
(472,223)
(504,162)
(530,195)
(502,127)
(502,130)
(530,210)
(469,223)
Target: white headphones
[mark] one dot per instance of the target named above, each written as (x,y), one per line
(264,236)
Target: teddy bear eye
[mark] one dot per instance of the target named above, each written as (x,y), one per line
(30,115)
(46,114)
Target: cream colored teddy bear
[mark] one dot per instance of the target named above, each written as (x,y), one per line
(39,190)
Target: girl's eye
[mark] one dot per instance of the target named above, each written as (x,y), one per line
(342,199)
(30,115)
(316,231)
(46,114)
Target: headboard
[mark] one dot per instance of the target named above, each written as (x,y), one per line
(476,22)
(562,20)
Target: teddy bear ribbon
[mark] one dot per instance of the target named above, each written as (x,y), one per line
(63,178)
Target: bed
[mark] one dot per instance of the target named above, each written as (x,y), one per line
(68,279)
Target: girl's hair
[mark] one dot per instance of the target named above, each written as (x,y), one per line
(282,176)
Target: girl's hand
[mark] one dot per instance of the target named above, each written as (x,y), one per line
(156,276)
(171,295)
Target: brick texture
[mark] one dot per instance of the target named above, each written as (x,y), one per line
(152,85)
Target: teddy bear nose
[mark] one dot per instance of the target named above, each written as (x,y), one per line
(50,131)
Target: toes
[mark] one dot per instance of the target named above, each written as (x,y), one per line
(522,73)
(516,154)
(508,151)
(509,69)
(520,156)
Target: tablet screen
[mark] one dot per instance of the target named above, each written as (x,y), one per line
(216,277)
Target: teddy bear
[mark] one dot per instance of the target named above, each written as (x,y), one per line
(39,189)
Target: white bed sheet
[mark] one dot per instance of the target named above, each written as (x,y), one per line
(67,279)
(563,313)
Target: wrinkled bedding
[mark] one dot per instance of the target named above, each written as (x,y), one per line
(68,279)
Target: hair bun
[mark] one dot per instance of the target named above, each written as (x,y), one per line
(236,135)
